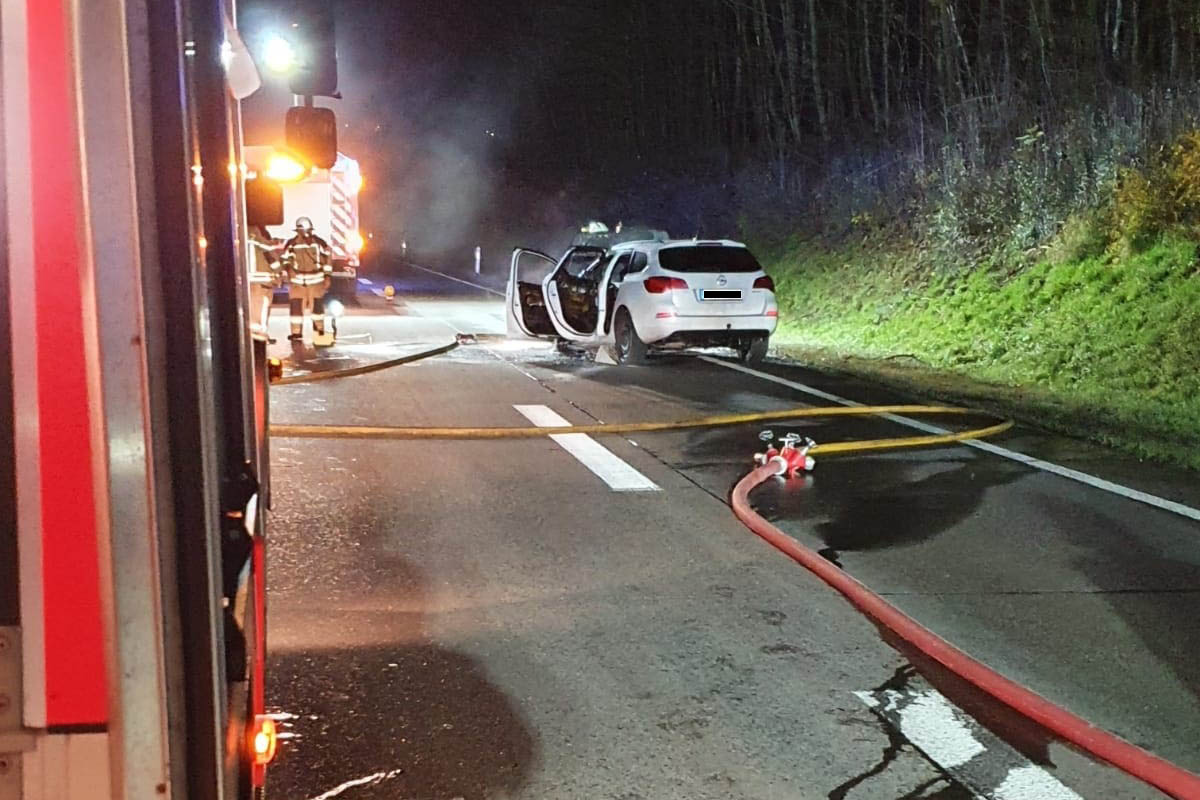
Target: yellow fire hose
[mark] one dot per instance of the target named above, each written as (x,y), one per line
(721,421)
(331,375)
(617,429)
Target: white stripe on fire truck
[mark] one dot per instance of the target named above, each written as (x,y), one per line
(23,313)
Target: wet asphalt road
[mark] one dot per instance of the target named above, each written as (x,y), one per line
(490,619)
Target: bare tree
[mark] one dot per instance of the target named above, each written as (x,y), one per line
(814,64)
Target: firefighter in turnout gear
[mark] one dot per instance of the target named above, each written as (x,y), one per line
(309,262)
(265,275)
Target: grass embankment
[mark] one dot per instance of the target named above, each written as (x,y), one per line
(1104,345)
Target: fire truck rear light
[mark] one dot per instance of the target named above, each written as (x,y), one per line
(263,739)
(357,242)
(274,369)
(283,168)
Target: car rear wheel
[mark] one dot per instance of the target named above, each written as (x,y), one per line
(753,349)
(630,348)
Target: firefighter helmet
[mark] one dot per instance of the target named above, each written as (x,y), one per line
(304,225)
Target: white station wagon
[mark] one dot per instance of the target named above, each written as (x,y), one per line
(637,297)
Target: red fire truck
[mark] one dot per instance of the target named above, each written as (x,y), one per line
(133,484)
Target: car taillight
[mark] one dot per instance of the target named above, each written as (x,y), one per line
(765,282)
(659,284)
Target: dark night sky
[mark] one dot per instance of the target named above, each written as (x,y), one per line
(696,116)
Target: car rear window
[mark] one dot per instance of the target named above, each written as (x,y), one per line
(702,258)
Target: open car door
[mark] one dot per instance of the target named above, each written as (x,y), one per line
(572,292)
(524,299)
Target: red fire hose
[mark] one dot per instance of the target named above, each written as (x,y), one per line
(1175,781)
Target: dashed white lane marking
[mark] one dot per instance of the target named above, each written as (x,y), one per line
(1029,461)
(457,280)
(972,755)
(600,460)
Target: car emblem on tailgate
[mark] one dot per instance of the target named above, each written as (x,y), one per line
(722,280)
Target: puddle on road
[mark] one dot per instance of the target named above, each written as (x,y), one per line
(851,503)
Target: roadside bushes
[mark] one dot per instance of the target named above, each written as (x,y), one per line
(1161,197)
(1004,191)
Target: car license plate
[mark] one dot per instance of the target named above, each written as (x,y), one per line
(721,294)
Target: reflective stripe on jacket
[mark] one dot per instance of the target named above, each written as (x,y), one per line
(307,278)
(266,261)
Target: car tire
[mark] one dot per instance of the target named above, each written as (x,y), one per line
(753,350)
(630,347)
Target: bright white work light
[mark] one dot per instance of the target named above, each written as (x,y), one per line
(278,55)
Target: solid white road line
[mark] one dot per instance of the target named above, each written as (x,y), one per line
(366,780)
(609,468)
(987,447)
(929,721)
(457,280)
(1031,783)
(962,747)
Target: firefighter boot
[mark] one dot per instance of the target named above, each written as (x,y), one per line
(296,312)
(320,337)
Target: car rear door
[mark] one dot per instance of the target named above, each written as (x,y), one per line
(524,299)
(613,278)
